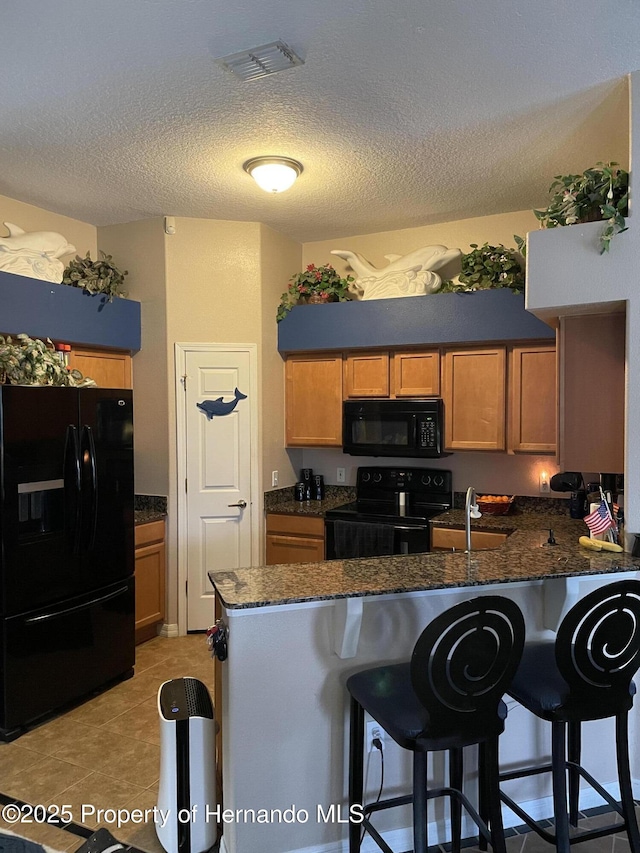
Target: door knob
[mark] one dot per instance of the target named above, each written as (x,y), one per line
(241,504)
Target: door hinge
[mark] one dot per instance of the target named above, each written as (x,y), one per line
(186,588)
(185,484)
(183,378)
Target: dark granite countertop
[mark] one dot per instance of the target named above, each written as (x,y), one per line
(144,516)
(318,508)
(524,556)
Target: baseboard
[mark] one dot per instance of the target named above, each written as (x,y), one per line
(168,630)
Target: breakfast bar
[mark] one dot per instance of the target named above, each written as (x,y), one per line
(296,633)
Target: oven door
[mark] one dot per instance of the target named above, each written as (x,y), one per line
(353,538)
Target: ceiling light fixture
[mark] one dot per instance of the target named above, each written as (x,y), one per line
(273,174)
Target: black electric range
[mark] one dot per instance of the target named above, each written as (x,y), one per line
(390,514)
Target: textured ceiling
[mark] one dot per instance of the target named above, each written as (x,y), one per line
(405,113)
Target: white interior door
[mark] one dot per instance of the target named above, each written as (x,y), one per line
(220,402)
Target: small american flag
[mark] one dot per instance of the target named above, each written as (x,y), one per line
(600,520)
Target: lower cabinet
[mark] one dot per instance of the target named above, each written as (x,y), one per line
(294,539)
(450,539)
(150,570)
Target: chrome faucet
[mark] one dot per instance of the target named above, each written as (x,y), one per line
(470,511)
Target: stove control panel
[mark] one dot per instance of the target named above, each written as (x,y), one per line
(415,480)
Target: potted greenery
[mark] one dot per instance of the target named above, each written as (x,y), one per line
(315,284)
(600,193)
(34,362)
(486,267)
(101,276)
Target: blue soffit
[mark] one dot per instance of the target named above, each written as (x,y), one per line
(43,309)
(438,318)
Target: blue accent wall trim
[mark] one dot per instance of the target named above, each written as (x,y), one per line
(43,309)
(486,315)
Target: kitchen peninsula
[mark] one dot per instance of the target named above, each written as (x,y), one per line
(297,631)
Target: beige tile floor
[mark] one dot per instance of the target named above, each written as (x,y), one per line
(104,753)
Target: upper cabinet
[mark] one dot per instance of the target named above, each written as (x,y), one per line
(499,397)
(532,404)
(392,374)
(592,392)
(107,369)
(416,374)
(474,392)
(313,391)
(366,375)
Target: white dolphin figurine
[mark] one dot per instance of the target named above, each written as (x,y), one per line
(408,275)
(49,243)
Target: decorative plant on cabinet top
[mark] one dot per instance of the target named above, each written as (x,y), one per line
(486,267)
(315,284)
(599,193)
(32,362)
(101,276)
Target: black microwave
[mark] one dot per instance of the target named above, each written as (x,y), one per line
(412,428)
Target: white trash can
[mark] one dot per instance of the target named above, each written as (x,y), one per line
(187,794)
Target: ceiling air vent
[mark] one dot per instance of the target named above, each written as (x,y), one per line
(260,61)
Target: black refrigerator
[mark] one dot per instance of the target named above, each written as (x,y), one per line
(66,565)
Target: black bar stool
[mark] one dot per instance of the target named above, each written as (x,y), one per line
(585,674)
(447,697)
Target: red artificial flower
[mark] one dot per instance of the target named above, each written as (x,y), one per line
(311,267)
(318,275)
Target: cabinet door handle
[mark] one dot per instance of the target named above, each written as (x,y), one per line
(242,504)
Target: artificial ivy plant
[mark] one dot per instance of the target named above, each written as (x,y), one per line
(600,193)
(486,267)
(101,276)
(30,361)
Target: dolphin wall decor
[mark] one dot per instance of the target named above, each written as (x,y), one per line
(218,407)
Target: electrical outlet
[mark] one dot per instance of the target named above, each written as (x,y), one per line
(274,478)
(374,730)
(341,475)
(544,483)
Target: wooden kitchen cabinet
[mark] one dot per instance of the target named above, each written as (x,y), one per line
(294,539)
(450,539)
(416,374)
(474,394)
(391,375)
(592,393)
(532,400)
(150,570)
(366,375)
(313,401)
(108,368)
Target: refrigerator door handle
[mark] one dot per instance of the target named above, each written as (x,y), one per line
(72,481)
(89,487)
(55,613)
